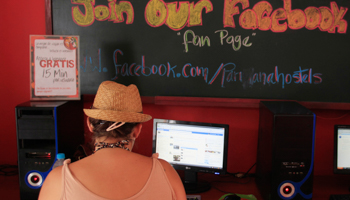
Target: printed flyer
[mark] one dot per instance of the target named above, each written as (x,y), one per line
(54,67)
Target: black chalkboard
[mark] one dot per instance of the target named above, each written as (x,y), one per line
(277,49)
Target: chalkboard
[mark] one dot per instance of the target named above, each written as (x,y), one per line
(277,49)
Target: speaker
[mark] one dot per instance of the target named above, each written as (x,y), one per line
(285,156)
(43,130)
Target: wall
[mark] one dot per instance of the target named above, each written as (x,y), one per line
(21,19)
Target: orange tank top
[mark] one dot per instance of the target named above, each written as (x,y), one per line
(156,187)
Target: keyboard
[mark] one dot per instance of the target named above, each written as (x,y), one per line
(339,197)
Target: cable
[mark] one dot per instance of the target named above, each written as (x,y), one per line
(243,175)
(238,175)
(8,170)
(249,170)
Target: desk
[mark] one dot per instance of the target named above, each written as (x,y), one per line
(9,187)
(228,184)
(324,186)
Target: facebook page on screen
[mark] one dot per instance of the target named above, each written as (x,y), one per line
(343,148)
(191,145)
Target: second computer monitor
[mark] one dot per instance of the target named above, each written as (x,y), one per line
(342,149)
(192,147)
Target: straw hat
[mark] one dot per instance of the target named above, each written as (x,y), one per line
(117,103)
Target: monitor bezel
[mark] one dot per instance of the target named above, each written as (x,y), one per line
(190,167)
(335,168)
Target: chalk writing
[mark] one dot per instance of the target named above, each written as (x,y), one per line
(133,69)
(263,17)
(179,14)
(88,63)
(189,37)
(196,40)
(235,41)
(301,76)
(225,73)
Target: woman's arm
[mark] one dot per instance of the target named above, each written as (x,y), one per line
(52,187)
(175,180)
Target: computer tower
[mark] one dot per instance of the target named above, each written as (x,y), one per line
(285,156)
(43,130)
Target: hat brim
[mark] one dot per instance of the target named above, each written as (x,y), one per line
(117,116)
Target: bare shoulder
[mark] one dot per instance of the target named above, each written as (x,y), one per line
(51,188)
(166,165)
(174,179)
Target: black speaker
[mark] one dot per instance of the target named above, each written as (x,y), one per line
(285,156)
(43,130)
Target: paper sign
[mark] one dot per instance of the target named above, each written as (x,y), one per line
(54,67)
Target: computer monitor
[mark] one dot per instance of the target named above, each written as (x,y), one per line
(193,147)
(341,149)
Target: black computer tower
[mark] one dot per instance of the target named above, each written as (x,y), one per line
(43,130)
(285,156)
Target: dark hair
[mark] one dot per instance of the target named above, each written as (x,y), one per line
(100,126)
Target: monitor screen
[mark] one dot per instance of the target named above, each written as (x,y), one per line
(342,149)
(191,146)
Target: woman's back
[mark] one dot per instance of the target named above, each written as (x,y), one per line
(113,173)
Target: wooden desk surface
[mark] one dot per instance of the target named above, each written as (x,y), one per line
(324,186)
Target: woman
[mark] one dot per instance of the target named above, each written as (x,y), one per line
(113,171)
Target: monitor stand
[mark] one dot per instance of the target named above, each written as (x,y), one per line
(192,185)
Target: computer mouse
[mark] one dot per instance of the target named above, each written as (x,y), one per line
(232,197)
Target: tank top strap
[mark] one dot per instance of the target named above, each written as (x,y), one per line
(158,167)
(66,161)
(155,155)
